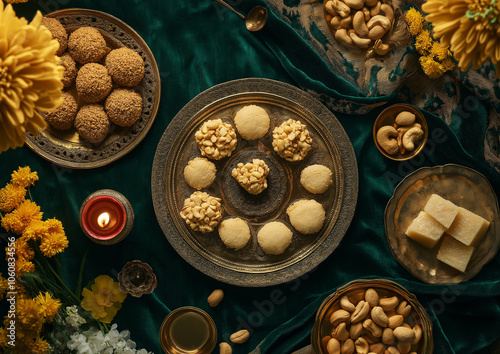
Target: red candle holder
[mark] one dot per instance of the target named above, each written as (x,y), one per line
(106,217)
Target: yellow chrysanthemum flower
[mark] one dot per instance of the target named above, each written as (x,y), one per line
(4,286)
(49,307)
(24,266)
(30,79)
(24,177)
(19,219)
(470,27)
(23,249)
(35,230)
(423,42)
(11,196)
(431,68)
(415,21)
(28,313)
(448,64)
(439,52)
(54,226)
(53,243)
(39,346)
(104,300)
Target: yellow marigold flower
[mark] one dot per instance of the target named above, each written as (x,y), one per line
(448,64)
(4,286)
(24,266)
(23,249)
(104,300)
(54,226)
(11,196)
(20,218)
(470,27)
(439,52)
(415,21)
(423,42)
(53,243)
(35,230)
(49,307)
(432,68)
(24,177)
(39,346)
(30,79)
(28,313)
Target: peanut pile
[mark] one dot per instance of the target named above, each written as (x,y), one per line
(216,139)
(201,212)
(291,140)
(252,176)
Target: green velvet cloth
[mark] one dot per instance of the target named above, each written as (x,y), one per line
(198,44)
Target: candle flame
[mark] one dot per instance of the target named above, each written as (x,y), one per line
(103,220)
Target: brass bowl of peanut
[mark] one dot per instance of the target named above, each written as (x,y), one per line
(372,315)
(400,132)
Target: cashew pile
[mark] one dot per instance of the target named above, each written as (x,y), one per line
(360,23)
(372,325)
(402,136)
(201,211)
(216,139)
(252,176)
(291,140)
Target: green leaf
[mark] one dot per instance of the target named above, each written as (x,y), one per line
(78,290)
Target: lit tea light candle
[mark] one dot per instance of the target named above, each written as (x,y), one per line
(106,217)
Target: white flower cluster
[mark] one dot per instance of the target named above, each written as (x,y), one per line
(94,341)
(73,318)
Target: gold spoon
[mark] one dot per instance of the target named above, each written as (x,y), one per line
(255,19)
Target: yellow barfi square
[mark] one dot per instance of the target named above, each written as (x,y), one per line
(468,227)
(455,253)
(442,210)
(425,230)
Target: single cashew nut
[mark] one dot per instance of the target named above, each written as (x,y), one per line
(355,330)
(404,334)
(333,346)
(335,22)
(366,12)
(377,32)
(339,316)
(372,327)
(386,139)
(359,42)
(346,304)
(371,297)
(388,303)
(340,332)
(225,348)
(362,309)
(215,297)
(404,347)
(405,118)
(240,336)
(330,9)
(358,23)
(392,350)
(379,316)
(375,9)
(342,37)
(362,346)
(379,20)
(341,8)
(418,334)
(403,309)
(388,11)
(401,131)
(411,136)
(370,3)
(380,47)
(347,347)
(355,4)
(346,22)
(377,348)
(388,336)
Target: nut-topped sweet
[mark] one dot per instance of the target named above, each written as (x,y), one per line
(291,140)
(216,139)
(252,176)
(202,212)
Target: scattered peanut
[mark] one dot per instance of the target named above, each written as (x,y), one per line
(201,212)
(291,140)
(215,297)
(240,336)
(225,348)
(216,139)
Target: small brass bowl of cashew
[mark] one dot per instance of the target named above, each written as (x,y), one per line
(372,315)
(400,132)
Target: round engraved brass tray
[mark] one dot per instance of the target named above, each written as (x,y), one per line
(250,266)
(461,185)
(64,147)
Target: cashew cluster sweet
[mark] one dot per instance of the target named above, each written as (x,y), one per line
(202,212)
(373,324)
(252,176)
(291,140)
(360,24)
(402,136)
(216,139)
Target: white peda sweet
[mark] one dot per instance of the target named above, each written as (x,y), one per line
(252,122)
(306,216)
(274,237)
(441,209)
(200,173)
(316,178)
(234,232)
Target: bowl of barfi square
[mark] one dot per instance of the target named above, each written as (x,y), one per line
(442,223)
